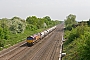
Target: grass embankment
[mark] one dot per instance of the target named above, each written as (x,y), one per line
(16,38)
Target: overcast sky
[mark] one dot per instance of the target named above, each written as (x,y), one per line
(56,9)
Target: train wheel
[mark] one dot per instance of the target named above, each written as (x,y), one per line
(28,44)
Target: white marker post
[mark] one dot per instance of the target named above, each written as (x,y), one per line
(61,48)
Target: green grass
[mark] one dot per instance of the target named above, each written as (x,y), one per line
(16,38)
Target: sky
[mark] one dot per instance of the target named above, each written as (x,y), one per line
(56,9)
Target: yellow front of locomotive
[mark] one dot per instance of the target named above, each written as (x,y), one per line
(30,40)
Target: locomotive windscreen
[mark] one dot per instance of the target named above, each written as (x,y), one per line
(29,38)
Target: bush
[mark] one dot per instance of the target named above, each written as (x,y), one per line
(78,44)
(2,42)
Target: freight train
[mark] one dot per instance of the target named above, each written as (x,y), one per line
(36,37)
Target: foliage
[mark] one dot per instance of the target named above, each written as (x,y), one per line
(1,43)
(17,26)
(32,20)
(41,22)
(88,22)
(3,35)
(84,47)
(69,21)
(77,45)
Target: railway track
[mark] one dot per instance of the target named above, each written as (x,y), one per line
(32,51)
(7,53)
(42,50)
(11,48)
(45,49)
(49,50)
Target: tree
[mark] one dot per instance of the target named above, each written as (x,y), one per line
(16,18)
(40,23)
(32,20)
(88,22)
(17,26)
(48,18)
(69,21)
